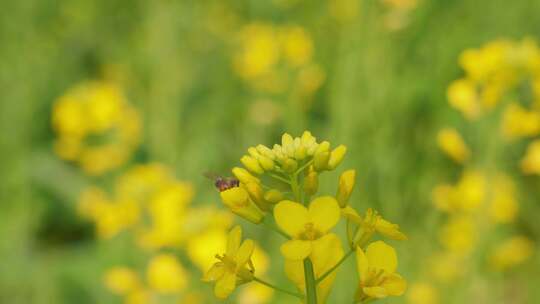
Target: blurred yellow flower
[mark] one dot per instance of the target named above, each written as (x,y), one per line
(95,126)
(200,249)
(308,227)
(344,11)
(166,275)
(520,122)
(503,207)
(233,265)
(297,45)
(377,270)
(459,234)
(446,266)
(422,293)
(122,280)
(471,190)
(453,145)
(530,164)
(259,50)
(512,252)
(463,96)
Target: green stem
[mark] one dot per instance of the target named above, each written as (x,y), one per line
(311,284)
(294,294)
(295,188)
(304,166)
(280,178)
(321,278)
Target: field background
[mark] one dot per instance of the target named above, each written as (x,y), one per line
(384,97)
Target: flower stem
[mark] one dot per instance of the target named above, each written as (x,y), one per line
(280,178)
(311,284)
(294,294)
(321,278)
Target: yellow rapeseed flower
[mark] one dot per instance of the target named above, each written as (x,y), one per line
(459,235)
(520,122)
(233,265)
(307,227)
(324,256)
(166,275)
(122,280)
(530,164)
(370,223)
(453,145)
(422,293)
(377,270)
(463,96)
(503,207)
(511,252)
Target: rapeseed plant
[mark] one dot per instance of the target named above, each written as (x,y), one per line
(278,188)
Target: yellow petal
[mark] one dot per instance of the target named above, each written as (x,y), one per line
(324,212)
(225,285)
(375,292)
(233,242)
(324,251)
(215,273)
(390,230)
(296,249)
(291,217)
(351,214)
(244,253)
(382,256)
(362,264)
(394,284)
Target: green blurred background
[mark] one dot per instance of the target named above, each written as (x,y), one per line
(384,96)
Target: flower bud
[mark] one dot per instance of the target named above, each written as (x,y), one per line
(266,163)
(323,147)
(244,176)
(336,157)
(252,164)
(311,181)
(320,161)
(300,153)
(264,150)
(255,192)
(345,187)
(253,152)
(289,165)
(273,196)
(238,201)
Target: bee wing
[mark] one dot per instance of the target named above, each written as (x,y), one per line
(211,175)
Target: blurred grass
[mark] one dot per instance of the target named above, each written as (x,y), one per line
(384,98)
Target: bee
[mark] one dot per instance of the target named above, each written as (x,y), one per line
(222,183)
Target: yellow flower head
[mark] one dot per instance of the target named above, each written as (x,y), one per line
(166,275)
(293,153)
(520,122)
(422,293)
(511,252)
(463,96)
(452,144)
(234,266)
(504,206)
(530,164)
(459,235)
(297,45)
(122,280)
(307,227)
(377,269)
(372,222)
(96,127)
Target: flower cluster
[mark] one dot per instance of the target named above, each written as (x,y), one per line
(279,188)
(96,127)
(485,198)
(147,207)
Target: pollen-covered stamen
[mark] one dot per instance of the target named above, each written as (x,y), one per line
(310,233)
